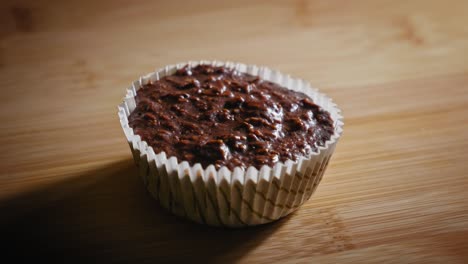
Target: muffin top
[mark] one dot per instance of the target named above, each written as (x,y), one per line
(215,115)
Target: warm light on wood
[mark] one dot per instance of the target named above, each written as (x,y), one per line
(396,189)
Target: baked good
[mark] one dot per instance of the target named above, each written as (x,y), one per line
(229,144)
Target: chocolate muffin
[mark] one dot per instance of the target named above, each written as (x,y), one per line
(229,144)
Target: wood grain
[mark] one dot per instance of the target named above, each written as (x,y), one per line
(395,190)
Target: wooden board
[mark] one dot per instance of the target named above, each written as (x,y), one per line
(395,190)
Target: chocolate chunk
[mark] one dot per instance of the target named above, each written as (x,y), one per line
(149,116)
(256,105)
(257,121)
(307,103)
(235,102)
(294,124)
(237,143)
(215,115)
(225,115)
(215,150)
(183,82)
(185,71)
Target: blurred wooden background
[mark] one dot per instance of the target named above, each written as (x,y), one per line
(395,191)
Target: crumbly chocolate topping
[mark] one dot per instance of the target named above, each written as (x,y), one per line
(215,115)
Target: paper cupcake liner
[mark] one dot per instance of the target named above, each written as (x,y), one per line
(237,198)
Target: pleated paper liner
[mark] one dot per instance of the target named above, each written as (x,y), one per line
(237,198)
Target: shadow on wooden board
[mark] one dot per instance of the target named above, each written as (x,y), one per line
(106,215)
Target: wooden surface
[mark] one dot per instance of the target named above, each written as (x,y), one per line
(396,190)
